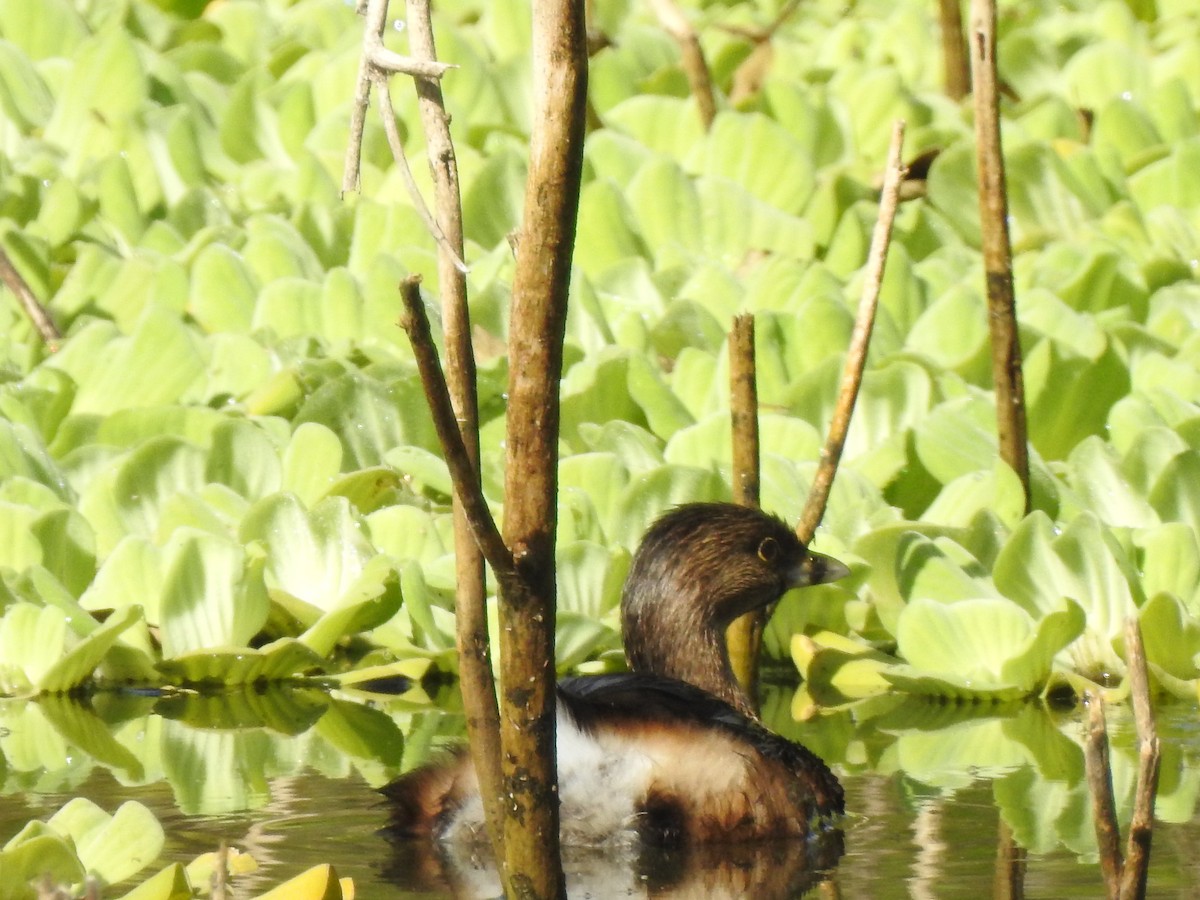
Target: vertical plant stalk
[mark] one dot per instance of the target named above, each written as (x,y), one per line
(744,635)
(470,616)
(1008,882)
(956,70)
(37,313)
(1104,807)
(860,340)
(695,66)
(1141,826)
(997,251)
(538,325)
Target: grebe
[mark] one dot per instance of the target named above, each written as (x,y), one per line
(672,753)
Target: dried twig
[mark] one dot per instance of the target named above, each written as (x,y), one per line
(997,251)
(220,875)
(695,66)
(471,626)
(744,635)
(376,60)
(956,69)
(37,313)
(466,481)
(470,607)
(397,146)
(1104,808)
(536,332)
(860,339)
(1141,826)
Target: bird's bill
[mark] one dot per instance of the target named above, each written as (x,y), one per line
(817,568)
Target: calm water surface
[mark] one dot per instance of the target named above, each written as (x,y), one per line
(913,831)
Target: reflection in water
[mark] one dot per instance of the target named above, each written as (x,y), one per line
(933,790)
(762,869)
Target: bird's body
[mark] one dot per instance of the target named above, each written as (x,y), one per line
(670,754)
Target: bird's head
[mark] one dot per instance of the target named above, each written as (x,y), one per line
(720,560)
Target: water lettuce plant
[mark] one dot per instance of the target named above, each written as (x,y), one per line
(226,476)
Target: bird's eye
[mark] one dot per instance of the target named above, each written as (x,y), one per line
(768,550)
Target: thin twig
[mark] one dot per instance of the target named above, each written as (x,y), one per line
(1104,808)
(37,313)
(997,250)
(220,875)
(376,14)
(389,61)
(472,641)
(695,66)
(393,137)
(860,339)
(955,68)
(744,634)
(1141,826)
(376,61)
(760,35)
(466,483)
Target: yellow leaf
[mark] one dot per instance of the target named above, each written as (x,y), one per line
(318,883)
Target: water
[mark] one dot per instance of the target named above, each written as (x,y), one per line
(920,824)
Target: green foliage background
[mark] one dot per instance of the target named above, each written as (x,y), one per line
(227,475)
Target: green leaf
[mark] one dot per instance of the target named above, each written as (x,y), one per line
(157,363)
(998,490)
(24,97)
(112,847)
(211,596)
(1171,636)
(223,290)
(236,666)
(170,883)
(369,417)
(666,124)
(25,860)
(76,667)
(778,170)
(113,91)
(315,557)
(427,469)
(243,458)
(32,639)
(985,645)
(311,462)
(367,603)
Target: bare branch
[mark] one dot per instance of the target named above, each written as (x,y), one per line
(1141,825)
(997,251)
(377,62)
(470,608)
(956,70)
(860,339)
(744,635)
(397,146)
(466,482)
(389,61)
(538,325)
(1104,807)
(37,313)
(695,66)
(376,13)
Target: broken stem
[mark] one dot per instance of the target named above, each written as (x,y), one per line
(37,313)
(860,339)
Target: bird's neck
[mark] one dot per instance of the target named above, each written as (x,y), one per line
(697,656)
